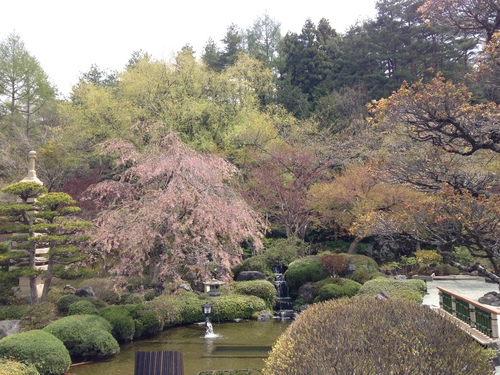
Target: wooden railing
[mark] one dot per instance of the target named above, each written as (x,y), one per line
(484,318)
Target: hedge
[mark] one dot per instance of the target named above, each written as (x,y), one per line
(85,336)
(236,306)
(362,335)
(38,348)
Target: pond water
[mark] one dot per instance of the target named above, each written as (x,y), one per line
(242,345)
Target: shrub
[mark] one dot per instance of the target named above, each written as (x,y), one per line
(131,299)
(256,263)
(123,325)
(446,270)
(147,323)
(65,301)
(38,348)
(343,288)
(392,287)
(85,336)
(236,306)
(39,316)
(259,288)
(394,337)
(336,264)
(11,312)
(428,257)
(304,270)
(105,289)
(82,307)
(283,251)
(8,367)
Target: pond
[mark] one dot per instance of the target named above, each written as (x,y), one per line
(242,345)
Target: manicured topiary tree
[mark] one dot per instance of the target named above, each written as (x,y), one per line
(336,287)
(122,322)
(38,348)
(86,336)
(362,335)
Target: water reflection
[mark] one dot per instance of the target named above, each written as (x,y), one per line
(242,345)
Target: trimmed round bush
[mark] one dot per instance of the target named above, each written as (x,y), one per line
(65,301)
(86,336)
(259,288)
(339,289)
(236,306)
(394,288)
(82,307)
(38,348)
(122,322)
(305,270)
(8,367)
(361,335)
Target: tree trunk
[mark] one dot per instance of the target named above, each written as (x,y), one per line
(48,278)
(354,245)
(32,263)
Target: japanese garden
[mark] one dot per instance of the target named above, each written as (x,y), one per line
(304,185)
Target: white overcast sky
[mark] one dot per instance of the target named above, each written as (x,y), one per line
(68,36)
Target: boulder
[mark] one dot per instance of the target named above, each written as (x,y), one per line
(306,292)
(86,291)
(9,327)
(250,275)
(491,299)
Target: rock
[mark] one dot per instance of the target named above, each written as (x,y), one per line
(382,296)
(490,298)
(9,327)
(250,275)
(86,291)
(264,316)
(349,270)
(400,277)
(306,292)
(70,289)
(185,287)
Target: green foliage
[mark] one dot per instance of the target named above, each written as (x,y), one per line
(122,322)
(85,336)
(236,306)
(428,257)
(392,287)
(8,367)
(284,251)
(39,316)
(392,335)
(256,263)
(336,288)
(105,289)
(65,301)
(82,307)
(304,270)
(446,270)
(462,255)
(38,348)
(12,312)
(259,288)
(131,299)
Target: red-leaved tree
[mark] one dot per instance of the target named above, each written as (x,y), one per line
(169,212)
